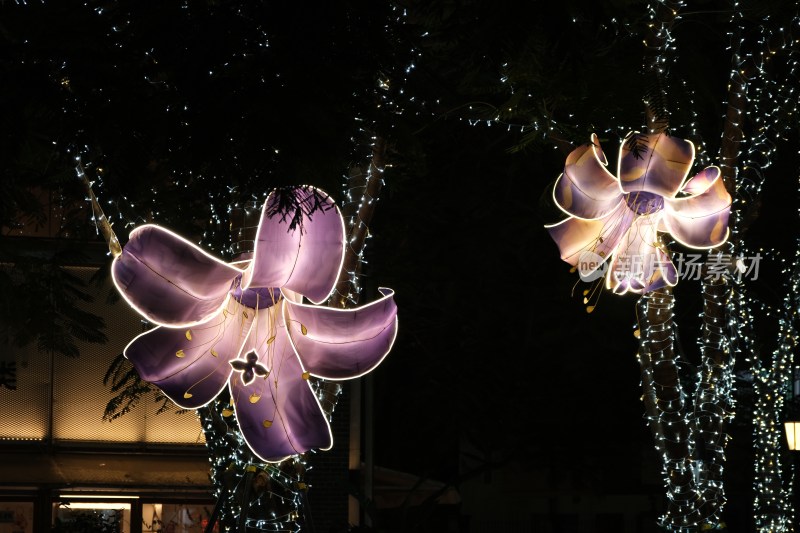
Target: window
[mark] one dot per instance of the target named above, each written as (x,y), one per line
(175,518)
(16,517)
(102,517)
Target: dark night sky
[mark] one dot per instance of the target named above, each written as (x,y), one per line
(494,347)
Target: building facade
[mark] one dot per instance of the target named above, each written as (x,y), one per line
(62,463)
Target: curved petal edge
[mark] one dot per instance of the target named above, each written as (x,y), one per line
(343,343)
(169,280)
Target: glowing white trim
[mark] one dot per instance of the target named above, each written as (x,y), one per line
(341,260)
(666,280)
(190,244)
(245,263)
(653,150)
(693,247)
(595,140)
(610,276)
(611,255)
(573,217)
(247,277)
(654,220)
(294,296)
(385,296)
(686,182)
(603,162)
(612,229)
(231,388)
(689,168)
(224,381)
(619,155)
(669,208)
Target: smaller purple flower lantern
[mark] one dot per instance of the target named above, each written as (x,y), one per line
(619,217)
(250,325)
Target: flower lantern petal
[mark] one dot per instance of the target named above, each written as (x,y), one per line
(639,265)
(701,220)
(587,189)
(279,415)
(343,343)
(575,235)
(305,259)
(658,165)
(170,280)
(700,182)
(191,364)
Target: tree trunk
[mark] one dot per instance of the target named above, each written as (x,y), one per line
(663,394)
(664,402)
(713,401)
(245,488)
(363,190)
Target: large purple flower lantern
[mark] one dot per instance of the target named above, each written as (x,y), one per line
(619,217)
(250,325)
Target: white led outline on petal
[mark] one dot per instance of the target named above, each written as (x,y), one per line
(668,208)
(146,315)
(686,182)
(572,215)
(248,273)
(388,295)
(693,247)
(595,141)
(224,381)
(604,166)
(231,387)
(658,216)
(341,259)
(613,250)
(653,149)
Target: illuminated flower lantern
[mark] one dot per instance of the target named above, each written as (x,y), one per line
(247,324)
(618,218)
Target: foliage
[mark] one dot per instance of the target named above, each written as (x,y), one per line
(43,306)
(89,521)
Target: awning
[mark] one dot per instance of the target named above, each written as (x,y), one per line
(392,488)
(118,470)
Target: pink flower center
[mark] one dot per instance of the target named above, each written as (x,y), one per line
(644,203)
(259,298)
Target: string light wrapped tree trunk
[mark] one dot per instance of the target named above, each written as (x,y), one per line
(663,395)
(763,98)
(653,177)
(713,398)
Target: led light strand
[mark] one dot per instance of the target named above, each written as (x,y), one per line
(665,405)
(266,497)
(771,106)
(361,192)
(714,389)
(665,399)
(714,392)
(773,508)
